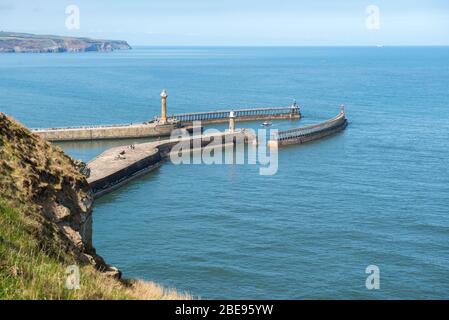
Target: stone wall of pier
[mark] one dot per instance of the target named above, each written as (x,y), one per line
(118,178)
(104,132)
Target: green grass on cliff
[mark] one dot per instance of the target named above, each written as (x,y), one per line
(28,271)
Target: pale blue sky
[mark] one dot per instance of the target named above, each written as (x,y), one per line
(236,22)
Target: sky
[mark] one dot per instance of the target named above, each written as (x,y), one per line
(236,22)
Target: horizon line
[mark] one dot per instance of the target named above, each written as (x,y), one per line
(287,45)
(232,45)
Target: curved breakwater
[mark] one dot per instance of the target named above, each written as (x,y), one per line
(310,133)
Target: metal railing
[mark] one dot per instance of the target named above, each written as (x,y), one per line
(224,114)
(312,129)
(196,116)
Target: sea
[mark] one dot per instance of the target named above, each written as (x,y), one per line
(363,214)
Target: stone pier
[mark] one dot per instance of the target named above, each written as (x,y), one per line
(163,126)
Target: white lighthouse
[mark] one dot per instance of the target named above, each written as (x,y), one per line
(231,121)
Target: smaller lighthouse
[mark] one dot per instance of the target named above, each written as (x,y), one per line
(164,96)
(231,121)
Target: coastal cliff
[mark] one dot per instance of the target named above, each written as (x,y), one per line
(46,226)
(24,42)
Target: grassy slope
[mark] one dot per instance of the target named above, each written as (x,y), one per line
(33,254)
(27,271)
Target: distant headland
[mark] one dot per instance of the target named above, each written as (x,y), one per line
(25,42)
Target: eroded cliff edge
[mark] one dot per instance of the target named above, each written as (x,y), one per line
(46,225)
(36,174)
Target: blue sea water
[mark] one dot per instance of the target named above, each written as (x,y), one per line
(375,194)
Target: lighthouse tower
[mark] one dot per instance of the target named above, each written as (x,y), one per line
(164,96)
(231,121)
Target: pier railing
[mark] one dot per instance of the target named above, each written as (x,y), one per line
(292,110)
(242,113)
(337,121)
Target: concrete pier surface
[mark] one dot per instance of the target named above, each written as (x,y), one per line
(117,166)
(119,158)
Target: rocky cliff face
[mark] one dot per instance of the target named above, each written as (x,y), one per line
(23,42)
(40,177)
